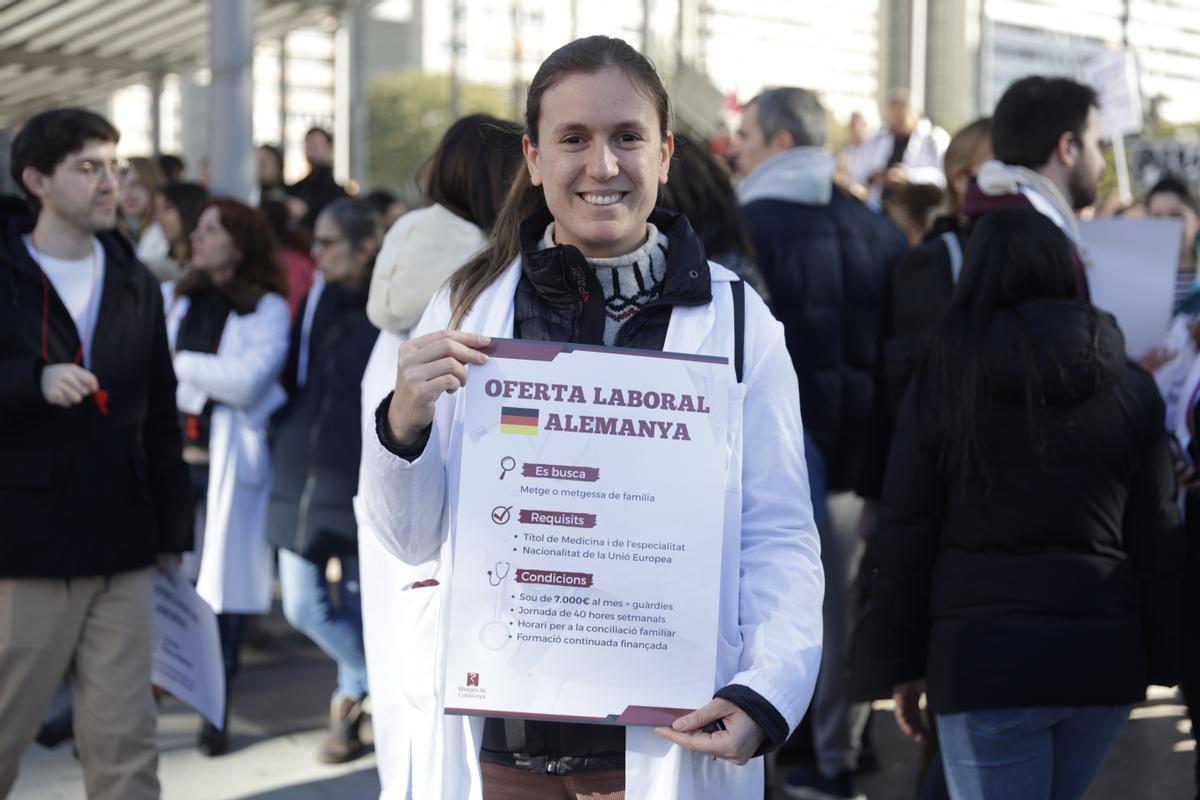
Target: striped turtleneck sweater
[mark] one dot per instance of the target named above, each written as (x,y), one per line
(629,281)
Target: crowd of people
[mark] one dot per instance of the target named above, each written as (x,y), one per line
(978,515)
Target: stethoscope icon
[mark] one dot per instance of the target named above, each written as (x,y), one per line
(497,633)
(501,572)
(507,464)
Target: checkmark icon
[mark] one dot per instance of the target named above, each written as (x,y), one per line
(501,514)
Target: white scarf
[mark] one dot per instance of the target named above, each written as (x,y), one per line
(997,178)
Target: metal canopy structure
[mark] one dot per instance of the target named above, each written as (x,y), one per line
(61,52)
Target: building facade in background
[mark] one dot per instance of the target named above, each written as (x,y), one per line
(956,57)
(975,48)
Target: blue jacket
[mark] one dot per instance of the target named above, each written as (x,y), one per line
(825,257)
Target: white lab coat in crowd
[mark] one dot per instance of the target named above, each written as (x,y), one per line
(241,378)
(771,586)
(921,162)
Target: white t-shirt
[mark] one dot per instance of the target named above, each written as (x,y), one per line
(78,282)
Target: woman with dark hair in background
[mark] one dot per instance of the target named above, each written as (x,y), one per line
(1176,367)
(315,451)
(177,210)
(227,324)
(465,182)
(1029,552)
(1170,198)
(387,205)
(701,189)
(915,297)
(579,254)
(139,183)
(295,244)
(268,161)
(916,294)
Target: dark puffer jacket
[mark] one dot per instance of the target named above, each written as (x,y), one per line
(825,266)
(1058,584)
(315,438)
(916,294)
(101,487)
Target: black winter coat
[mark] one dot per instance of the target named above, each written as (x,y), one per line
(915,296)
(317,189)
(84,492)
(316,438)
(1058,584)
(825,267)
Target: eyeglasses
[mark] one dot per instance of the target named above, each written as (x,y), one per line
(94,169)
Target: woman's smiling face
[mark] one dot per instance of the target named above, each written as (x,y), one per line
(599,158)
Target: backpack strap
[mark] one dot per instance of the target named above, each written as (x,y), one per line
(738,288)
(950,239)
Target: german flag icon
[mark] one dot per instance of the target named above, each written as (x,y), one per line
(519,420)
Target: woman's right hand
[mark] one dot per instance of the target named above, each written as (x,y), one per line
(66,385)
(427,367)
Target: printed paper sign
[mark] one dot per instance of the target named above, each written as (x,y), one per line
(588,536)
(186,656)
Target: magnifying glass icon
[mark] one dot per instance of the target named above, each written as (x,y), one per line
(508,464)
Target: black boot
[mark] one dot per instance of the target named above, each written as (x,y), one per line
(213,741)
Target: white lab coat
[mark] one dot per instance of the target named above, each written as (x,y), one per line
(771,587)
(921,162)
(422,249)
(242,380)
(400,632)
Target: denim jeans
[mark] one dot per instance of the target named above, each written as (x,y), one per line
(1047,753)
(336,629)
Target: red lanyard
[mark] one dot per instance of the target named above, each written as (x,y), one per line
(100,396)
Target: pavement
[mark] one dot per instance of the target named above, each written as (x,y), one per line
(278,715)
(281,704)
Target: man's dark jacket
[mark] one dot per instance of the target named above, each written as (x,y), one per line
(1058,581)
(84,492)
(825,264)
(317,189)
(316,439)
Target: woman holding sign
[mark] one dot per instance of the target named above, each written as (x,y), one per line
(579,254)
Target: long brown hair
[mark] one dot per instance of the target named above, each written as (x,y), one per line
(472,168)
(259,271)
(151,177)
(966,147)
(587,56)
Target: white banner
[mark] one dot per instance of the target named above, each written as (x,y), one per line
(1132,264)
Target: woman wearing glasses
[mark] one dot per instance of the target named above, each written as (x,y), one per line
(315,450)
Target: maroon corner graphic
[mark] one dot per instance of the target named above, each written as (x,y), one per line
(472,679)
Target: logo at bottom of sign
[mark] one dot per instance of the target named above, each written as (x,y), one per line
(471,690)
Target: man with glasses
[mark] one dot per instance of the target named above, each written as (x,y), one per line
(93,489)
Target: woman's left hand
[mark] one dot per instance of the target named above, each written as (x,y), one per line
(908,713)
(737,743)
